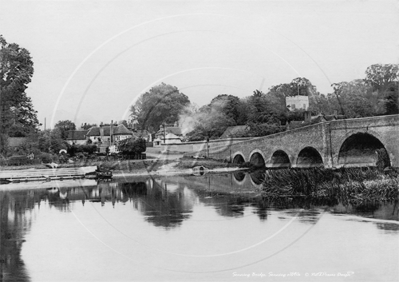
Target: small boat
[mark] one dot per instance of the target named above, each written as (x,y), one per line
(51,165)
(199,170)
(4,181)
(104,174)
(99,173)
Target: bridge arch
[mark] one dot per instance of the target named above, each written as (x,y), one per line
(257,158)
(239,177)
(280,159)
(257,177)
(309,157)
(238,158)
(363,148)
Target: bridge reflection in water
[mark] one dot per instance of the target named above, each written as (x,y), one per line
(165,203)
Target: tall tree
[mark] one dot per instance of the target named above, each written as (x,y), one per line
(161,104)
(355,99)
(227,104)
(50,141)
(64,126)
(384,78)
(16,109)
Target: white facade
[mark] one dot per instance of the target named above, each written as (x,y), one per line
(297,102)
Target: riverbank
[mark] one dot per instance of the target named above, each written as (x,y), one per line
(353,185)
(136,166)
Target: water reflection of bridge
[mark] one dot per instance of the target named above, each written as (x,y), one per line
(165,203)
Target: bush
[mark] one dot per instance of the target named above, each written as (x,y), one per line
(3,162)
(132,147)
(18,160)
(75,149)
(45,157)
(90,149)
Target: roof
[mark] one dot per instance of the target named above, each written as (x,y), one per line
(76,135)
(317,119)
(95,131)
(233,130)
(174,130)
(121,130)
(171,136)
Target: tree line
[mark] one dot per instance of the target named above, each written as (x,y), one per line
(266,112)
(261,113)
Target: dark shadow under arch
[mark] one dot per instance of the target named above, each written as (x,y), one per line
(309,157)
(239,176)
(257,176)
(257,160)
(363,149)
(280,159)
(238,159)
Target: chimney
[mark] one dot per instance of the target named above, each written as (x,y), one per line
(101,131)
(308,116)
(111,133)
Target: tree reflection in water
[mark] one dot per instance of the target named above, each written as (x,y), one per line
(161,207)
(13,225)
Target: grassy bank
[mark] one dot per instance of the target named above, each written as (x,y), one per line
(132,165)
(353,185)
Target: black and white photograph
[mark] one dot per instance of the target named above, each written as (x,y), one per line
(178,140)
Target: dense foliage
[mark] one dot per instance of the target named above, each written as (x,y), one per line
(17,116)
(267,113)
(64,126)
(161,104)
(72,150)
(132,147)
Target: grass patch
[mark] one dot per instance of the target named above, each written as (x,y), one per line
(353,185)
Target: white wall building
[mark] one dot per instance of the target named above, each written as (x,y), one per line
(297,102)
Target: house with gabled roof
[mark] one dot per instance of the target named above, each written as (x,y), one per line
(76,137)
(105,135)
(168,134)
(120,133)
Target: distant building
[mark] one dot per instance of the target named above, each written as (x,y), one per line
(297,102)
(106,135)
(120,133)
(168,134)
(76,137)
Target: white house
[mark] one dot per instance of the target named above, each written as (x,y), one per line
(297,102)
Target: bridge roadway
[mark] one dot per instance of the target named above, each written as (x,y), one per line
(349,142)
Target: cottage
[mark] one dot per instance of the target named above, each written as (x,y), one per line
(99,135)
(106,135)
(120,133)
(76,137)
(168,135)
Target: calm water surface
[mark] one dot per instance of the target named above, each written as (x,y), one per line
(188,228)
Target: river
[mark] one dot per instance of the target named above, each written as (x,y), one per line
(183,228)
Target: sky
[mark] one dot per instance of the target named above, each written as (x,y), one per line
(92,59)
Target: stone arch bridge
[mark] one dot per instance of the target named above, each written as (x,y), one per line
(349,142)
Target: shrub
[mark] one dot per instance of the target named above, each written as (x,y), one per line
(132,147)
(18,160)
(45,157)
